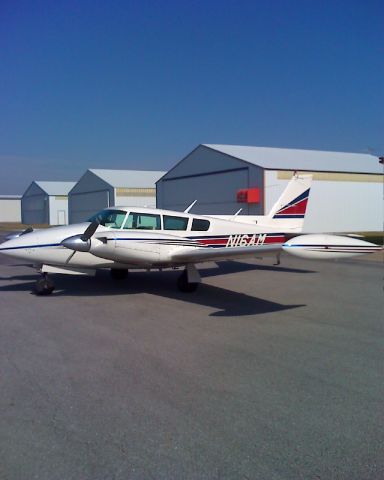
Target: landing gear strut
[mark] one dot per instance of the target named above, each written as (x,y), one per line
(189,280)
(184,286)
(44,286)
(119,273)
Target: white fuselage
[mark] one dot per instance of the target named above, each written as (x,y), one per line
(125,246)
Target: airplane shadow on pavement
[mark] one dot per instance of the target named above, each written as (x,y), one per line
(232,266)
(227,303)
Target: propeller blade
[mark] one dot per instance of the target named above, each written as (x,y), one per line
(90,230)
(70,257)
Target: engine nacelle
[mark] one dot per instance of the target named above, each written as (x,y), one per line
(321,247)
(125,252)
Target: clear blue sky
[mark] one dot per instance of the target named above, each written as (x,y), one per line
(139,84)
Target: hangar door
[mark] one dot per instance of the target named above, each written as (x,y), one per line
(34,209)
(84,204)
(215,192)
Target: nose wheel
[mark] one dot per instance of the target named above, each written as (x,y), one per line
(44,285)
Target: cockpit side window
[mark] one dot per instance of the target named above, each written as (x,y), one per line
(143,221)
(200,225)
(175,223)
(109,218)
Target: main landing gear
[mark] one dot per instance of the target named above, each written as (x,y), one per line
(44,285)
(189,280)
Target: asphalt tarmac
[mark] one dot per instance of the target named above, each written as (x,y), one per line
(266,372)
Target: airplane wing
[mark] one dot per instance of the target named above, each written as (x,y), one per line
(189,255)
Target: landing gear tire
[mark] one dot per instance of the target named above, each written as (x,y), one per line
(44,286)
(184,286)
(119,274)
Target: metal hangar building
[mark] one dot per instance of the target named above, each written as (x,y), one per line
(46,203)
(10,208)
(100,188)
(346,194)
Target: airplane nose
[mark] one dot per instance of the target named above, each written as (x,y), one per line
(9,247)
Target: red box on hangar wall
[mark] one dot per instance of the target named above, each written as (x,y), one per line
(248,195)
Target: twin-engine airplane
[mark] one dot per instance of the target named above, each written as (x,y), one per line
(123,238)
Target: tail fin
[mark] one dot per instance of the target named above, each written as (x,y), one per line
(287,214)
(289,211)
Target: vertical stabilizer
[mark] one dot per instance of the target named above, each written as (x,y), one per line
(289,211)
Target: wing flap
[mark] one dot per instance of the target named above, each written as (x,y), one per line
(188,255)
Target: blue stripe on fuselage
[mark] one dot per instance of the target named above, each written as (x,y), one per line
(31,246)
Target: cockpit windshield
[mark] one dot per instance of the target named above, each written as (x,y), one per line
(109,218)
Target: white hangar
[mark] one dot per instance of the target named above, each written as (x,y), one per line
(346,194)
(10,208)
(46,203)
(99,188)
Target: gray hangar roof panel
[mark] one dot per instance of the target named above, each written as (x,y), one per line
(129,178)
(287,159)
(56,188)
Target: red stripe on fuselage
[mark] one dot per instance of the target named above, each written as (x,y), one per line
(214,241)
(275,239)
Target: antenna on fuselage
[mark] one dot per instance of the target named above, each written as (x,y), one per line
(190,206)
(237,213)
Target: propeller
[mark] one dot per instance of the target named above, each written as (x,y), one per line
(90,230)
(70,257)
(80,242)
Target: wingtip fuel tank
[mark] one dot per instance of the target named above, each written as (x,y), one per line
(324,246)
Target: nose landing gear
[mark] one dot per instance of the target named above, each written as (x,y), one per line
(44,285)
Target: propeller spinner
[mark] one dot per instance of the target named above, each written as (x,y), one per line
(81,242)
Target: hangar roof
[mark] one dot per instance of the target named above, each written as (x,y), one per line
(56,188)
(129,178)
(311,160)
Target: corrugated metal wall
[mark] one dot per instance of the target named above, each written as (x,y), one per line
(10,209)
(338,202)
(136,201)
(212,179)
(83,205)
(87,197)
(35,206)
